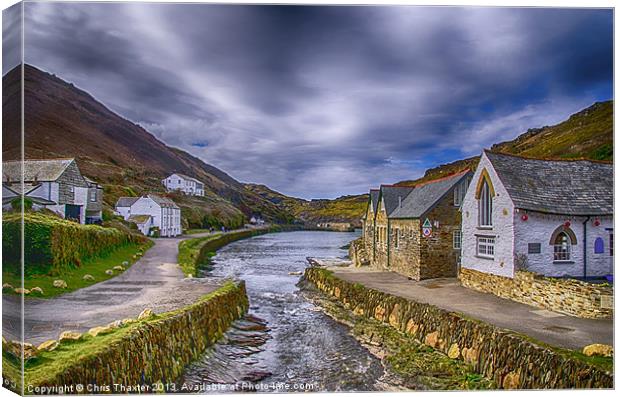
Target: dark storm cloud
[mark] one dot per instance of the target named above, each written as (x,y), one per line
(11,37)
(323,101)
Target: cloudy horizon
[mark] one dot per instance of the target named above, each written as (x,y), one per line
(323,101)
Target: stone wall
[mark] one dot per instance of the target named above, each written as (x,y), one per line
(404,257)
(511,360)
(568,296)
(358,253)
(157,350)
(437,253)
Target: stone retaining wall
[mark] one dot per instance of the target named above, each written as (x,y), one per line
(158,350)
(510,359)
(568,296)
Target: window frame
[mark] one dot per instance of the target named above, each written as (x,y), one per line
(487,242)
(485,205)
(458,240)
(564,254)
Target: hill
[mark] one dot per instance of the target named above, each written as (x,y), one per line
(64,121)
(587,134)
(345,209)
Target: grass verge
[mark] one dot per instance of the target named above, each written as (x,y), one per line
(48,364)
(95,266)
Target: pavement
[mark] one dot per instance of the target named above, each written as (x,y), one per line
(155,281)
(446,293)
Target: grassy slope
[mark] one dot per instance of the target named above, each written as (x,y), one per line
(347,209)
(587,134)
(96,267)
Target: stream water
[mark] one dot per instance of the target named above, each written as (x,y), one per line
(285,343)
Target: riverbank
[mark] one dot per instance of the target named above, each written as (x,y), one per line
(149,352)
(503,356)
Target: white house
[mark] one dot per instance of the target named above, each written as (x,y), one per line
(184,183)
(151,211)
(55,184)
(553,218)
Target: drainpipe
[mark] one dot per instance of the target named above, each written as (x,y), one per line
(388,243)
(585,252)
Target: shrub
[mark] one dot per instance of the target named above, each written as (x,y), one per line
(52,245)
(16,204)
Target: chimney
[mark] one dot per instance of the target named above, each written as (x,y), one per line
(400,202)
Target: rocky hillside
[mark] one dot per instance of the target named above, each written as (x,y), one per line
(587,134)
(64,121)
(346,209)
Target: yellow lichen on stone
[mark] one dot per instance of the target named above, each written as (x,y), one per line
(69,336)
(598,349)
(454,352)
(146,313)
(511,380)
(48,345)
(432,339)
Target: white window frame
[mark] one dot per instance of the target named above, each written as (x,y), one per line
(457,242)
(562,252)
(485,205)
(485,247)
(93,195)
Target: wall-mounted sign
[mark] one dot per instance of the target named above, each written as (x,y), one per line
(427,228)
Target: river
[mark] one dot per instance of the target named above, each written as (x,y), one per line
(285,343)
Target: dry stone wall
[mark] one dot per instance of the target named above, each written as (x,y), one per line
(158,350)
(568,296)
(509,359)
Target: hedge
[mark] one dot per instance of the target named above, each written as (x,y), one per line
(53,245)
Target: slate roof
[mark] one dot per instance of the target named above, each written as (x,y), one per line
(568,187)
(126,201)
(40,170)
(189,178)
(21,188)
(425,195)
(391,194)
(163,201)
(374,201)
(139,218)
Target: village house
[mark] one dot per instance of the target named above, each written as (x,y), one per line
(55,184)
(150,212)
(186,184)
(417,230)
(368,221)
(552,218)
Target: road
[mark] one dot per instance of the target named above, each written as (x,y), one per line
(155,281)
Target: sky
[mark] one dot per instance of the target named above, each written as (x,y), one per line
(319,102)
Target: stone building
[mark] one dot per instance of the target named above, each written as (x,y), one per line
(368,221)
(55,184)
(553,218)
(416,230)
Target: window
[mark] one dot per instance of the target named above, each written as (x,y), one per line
(396,237)
(456,239)
(459,193)
(561,248)
(611,244)
(599,246)
(486,247)
(485,205)
(93,195)
(533,248)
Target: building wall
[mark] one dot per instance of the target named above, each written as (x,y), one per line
(437,254)
(539,228)
(405,255)
(502,263)
(175,182)
(369,231)
(379,260)
(146,206)
(70,179)
(124,211)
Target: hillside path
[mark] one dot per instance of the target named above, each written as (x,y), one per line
(155,281)
(446,293)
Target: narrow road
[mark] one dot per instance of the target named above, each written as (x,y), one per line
(155,281)
(446,293)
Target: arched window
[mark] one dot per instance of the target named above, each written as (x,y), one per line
(485,204)
(599,246)
(561,247)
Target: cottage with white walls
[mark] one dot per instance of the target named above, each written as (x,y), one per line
(151,211)
(550,217)
(55,184)
(186,184)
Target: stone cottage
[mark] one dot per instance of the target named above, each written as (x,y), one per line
(55,184)
(553,218)
(417,230)
(368,221)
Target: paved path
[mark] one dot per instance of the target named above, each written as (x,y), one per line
(155,281)
(549,327)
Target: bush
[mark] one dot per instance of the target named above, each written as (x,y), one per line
(52,245)
(16,204)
